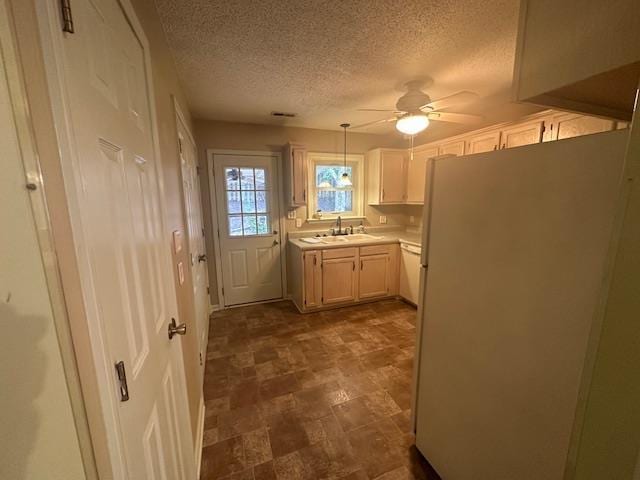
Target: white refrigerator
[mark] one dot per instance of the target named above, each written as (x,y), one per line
(513,256)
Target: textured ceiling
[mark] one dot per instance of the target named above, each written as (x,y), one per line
(238,60)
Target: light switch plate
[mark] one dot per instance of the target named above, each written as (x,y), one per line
(412,219)
(180,273)
(298,222)
(291,214)
(383,219)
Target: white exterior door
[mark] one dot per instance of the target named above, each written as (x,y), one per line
(195,230)
(248,227)
(112,176)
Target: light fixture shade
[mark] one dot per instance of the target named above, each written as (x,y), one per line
(345,181)
(412,124)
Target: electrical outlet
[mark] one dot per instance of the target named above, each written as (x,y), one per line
(383,219)
(298,222)
(412,219)
(291,214)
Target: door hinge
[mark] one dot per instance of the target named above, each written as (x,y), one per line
(122,379)
(180,146)
(208,290)
(198,170)
(305,301)
(315,260)
(321,299)
(200,358)
(67,17)
(203,232)
(223,291)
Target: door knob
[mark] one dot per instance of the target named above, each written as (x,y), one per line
(275,242)
(202,258)
(175,329)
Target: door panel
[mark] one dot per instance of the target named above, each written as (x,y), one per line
(483,142)
(248,227)
(195,234)
(374,275)
(312,279)
(520,135)
(392,175)
(123,247)
(338,280)
(416,174)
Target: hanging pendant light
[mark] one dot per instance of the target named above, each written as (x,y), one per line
(345,181)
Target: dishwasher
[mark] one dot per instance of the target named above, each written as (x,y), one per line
(409,272)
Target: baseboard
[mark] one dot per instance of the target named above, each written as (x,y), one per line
(214,308)
(200,437)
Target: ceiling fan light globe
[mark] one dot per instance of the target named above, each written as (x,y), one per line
(412,124)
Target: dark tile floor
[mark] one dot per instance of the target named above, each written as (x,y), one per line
(318,396)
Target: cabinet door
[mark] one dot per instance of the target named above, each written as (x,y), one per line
(312,279)
(299,176)
(392,177)
(374,276)
(520,135)
(416,171)
(483,142)
(338,280)
(571,125)
(452,148)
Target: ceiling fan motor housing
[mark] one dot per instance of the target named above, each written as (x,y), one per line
(412,101)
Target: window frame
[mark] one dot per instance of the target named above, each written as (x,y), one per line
(356,162)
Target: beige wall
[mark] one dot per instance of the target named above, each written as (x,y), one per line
(241,136)
(166,87)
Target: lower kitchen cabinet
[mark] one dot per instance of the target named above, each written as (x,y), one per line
(374,276)
(339,280)
(322,278)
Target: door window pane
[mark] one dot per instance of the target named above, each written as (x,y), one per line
(263,224)
(261,202)
(249,225)
(235,226)
(232,177)
(261,181)
(248,202)
(233,202)
(246,179)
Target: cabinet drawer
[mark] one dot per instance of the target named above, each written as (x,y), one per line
(375,250)
(339,253)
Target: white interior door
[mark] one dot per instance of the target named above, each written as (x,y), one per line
(248,227)
(197,251)
(120,235)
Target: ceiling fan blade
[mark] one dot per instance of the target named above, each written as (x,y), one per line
(455,117)
(451,100)
(386,120)
(377,110)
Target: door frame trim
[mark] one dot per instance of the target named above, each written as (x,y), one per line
(211,153)
(89,337)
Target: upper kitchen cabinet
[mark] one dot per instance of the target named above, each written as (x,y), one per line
(386,177)
(457,147)
(569,56)
(294,159)
(416,170)
(483,142)
(569,125)
(522,134)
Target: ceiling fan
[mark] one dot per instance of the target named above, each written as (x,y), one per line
(415,109)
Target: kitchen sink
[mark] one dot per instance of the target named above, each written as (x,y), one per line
(356,237)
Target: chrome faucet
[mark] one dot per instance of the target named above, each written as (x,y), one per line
(338,231)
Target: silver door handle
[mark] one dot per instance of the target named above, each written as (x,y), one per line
(202,258)
(175,329)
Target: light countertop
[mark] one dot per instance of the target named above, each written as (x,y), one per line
(381,238)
